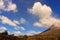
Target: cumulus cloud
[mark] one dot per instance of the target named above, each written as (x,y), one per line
(11,6)
(50,21)
(6,20)
(2,29)
(40,10)
(7,5)
(44,13)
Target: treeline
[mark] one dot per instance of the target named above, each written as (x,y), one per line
(5,36)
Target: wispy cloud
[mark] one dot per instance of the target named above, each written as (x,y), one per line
(44,13)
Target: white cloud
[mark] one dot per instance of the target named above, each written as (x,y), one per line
(22,28)
(2,6)
(50,21)
(14,23)
(37,24)
(16,33)
(40,10)
(2,29)
(32,32)
(44,13)
(6,20)
(28,33)
(22,20)
(7,5)
(19,28)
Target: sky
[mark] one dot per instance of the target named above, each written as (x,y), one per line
(28,17)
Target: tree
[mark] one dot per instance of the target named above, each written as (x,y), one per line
(5,33)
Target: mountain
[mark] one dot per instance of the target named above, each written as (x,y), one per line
(53,33)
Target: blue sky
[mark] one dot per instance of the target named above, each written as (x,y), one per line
(18,17)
